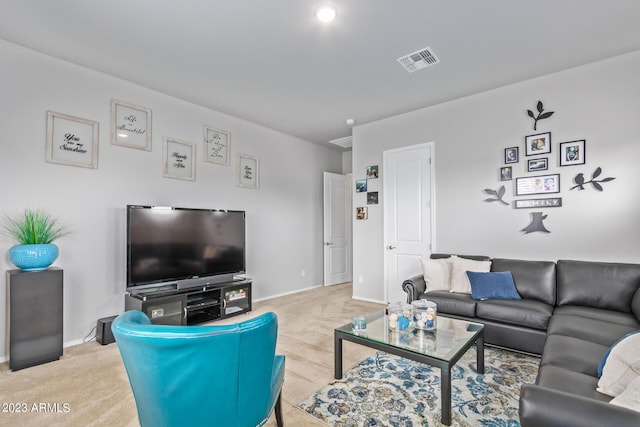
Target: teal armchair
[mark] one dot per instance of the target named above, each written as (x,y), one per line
(226,375)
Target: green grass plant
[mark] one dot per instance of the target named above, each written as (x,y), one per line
(33,226)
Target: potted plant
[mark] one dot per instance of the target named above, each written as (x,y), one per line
(35,232)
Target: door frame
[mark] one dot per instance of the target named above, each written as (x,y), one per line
(432,202)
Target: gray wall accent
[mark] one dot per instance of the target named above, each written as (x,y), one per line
(284,217)
(599,102)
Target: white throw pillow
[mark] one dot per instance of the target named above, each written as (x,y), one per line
(622,366)
(459,279)
(437,274)
(630,397)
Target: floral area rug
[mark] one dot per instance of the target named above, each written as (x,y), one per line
(387,390)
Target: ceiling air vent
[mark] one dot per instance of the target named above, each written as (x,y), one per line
(345,142)
(418,60)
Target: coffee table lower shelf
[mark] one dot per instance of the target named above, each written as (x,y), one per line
(340,334)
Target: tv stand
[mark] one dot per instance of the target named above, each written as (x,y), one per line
(170,305)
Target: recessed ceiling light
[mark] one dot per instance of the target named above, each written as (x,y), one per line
(326,12)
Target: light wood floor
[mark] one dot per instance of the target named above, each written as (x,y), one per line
(88,386)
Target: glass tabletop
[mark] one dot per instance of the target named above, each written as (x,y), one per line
(444,343)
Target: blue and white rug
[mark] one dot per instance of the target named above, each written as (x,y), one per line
(387,390)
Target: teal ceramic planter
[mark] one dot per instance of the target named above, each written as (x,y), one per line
(33,257)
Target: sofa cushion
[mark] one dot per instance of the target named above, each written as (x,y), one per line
(497,285)
(437,274)
(630,397)
(573,354)
(569,381)
(622,366)
(452,303)
(609,316)
(588,329)
(635,304)
(534,279)
(604,285)
(459,279)
(529,313)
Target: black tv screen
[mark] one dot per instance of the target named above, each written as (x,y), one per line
(186,246)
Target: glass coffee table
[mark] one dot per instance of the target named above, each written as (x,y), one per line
(441,348)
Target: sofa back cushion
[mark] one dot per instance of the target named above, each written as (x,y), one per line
(605,285)
(534,279)
(471,257)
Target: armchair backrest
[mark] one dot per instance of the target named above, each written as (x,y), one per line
(199,375)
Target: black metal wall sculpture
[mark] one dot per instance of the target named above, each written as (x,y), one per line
(498,194)
(536,223)
(580,182)
(541,115)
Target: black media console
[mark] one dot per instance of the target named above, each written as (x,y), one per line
(167,305)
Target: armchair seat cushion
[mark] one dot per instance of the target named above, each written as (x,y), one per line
(530,313)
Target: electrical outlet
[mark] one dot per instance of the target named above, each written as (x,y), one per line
(303,273)
(361,279)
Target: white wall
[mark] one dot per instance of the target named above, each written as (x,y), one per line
(599,102)
(284,217)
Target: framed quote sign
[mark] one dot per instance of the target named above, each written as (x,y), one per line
(130,125)
(216,145)
(248,171)
(72,140)
(179,159)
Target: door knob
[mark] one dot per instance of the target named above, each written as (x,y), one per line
(391,247)
(328,243)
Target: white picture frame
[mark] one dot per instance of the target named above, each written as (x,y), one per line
(130,125)
(248,171)
(71,140)
(217,145)
(178,159)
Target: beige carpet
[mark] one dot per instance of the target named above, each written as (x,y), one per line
(88,386)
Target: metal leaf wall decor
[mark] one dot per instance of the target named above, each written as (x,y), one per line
(497,195)
(536,223)
(541,114)
(595,183)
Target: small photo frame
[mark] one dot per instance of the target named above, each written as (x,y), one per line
(511,155)
(541,164)
(372,172)
(555,202)
(541,184)
(179,159)
(248,171)
(572,153)
(217,145)
(372,198)
(506,174)
(361,186)
(361,213)
(130,125)
(71,140)
(539,143)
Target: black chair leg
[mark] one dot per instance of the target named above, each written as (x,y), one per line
(279,410)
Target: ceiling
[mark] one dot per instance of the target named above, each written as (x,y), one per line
(271,62)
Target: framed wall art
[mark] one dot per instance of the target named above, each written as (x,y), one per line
(506,173)
(71,140)
(372,198)
(179,159)
(248,171)
(572,153)
(217,145)
(130,125)
(511,155)
(361,186)
(539,143)
(541,164)
(542,184)
(554,202)
(372,172)
(361,213)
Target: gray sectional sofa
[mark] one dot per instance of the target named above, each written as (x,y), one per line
(571,313)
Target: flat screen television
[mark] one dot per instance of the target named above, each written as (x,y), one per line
(183,246)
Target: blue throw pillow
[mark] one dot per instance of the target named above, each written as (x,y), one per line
(494,285)
(606,355)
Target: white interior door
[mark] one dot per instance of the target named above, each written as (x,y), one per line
(408,220)
(337,229)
